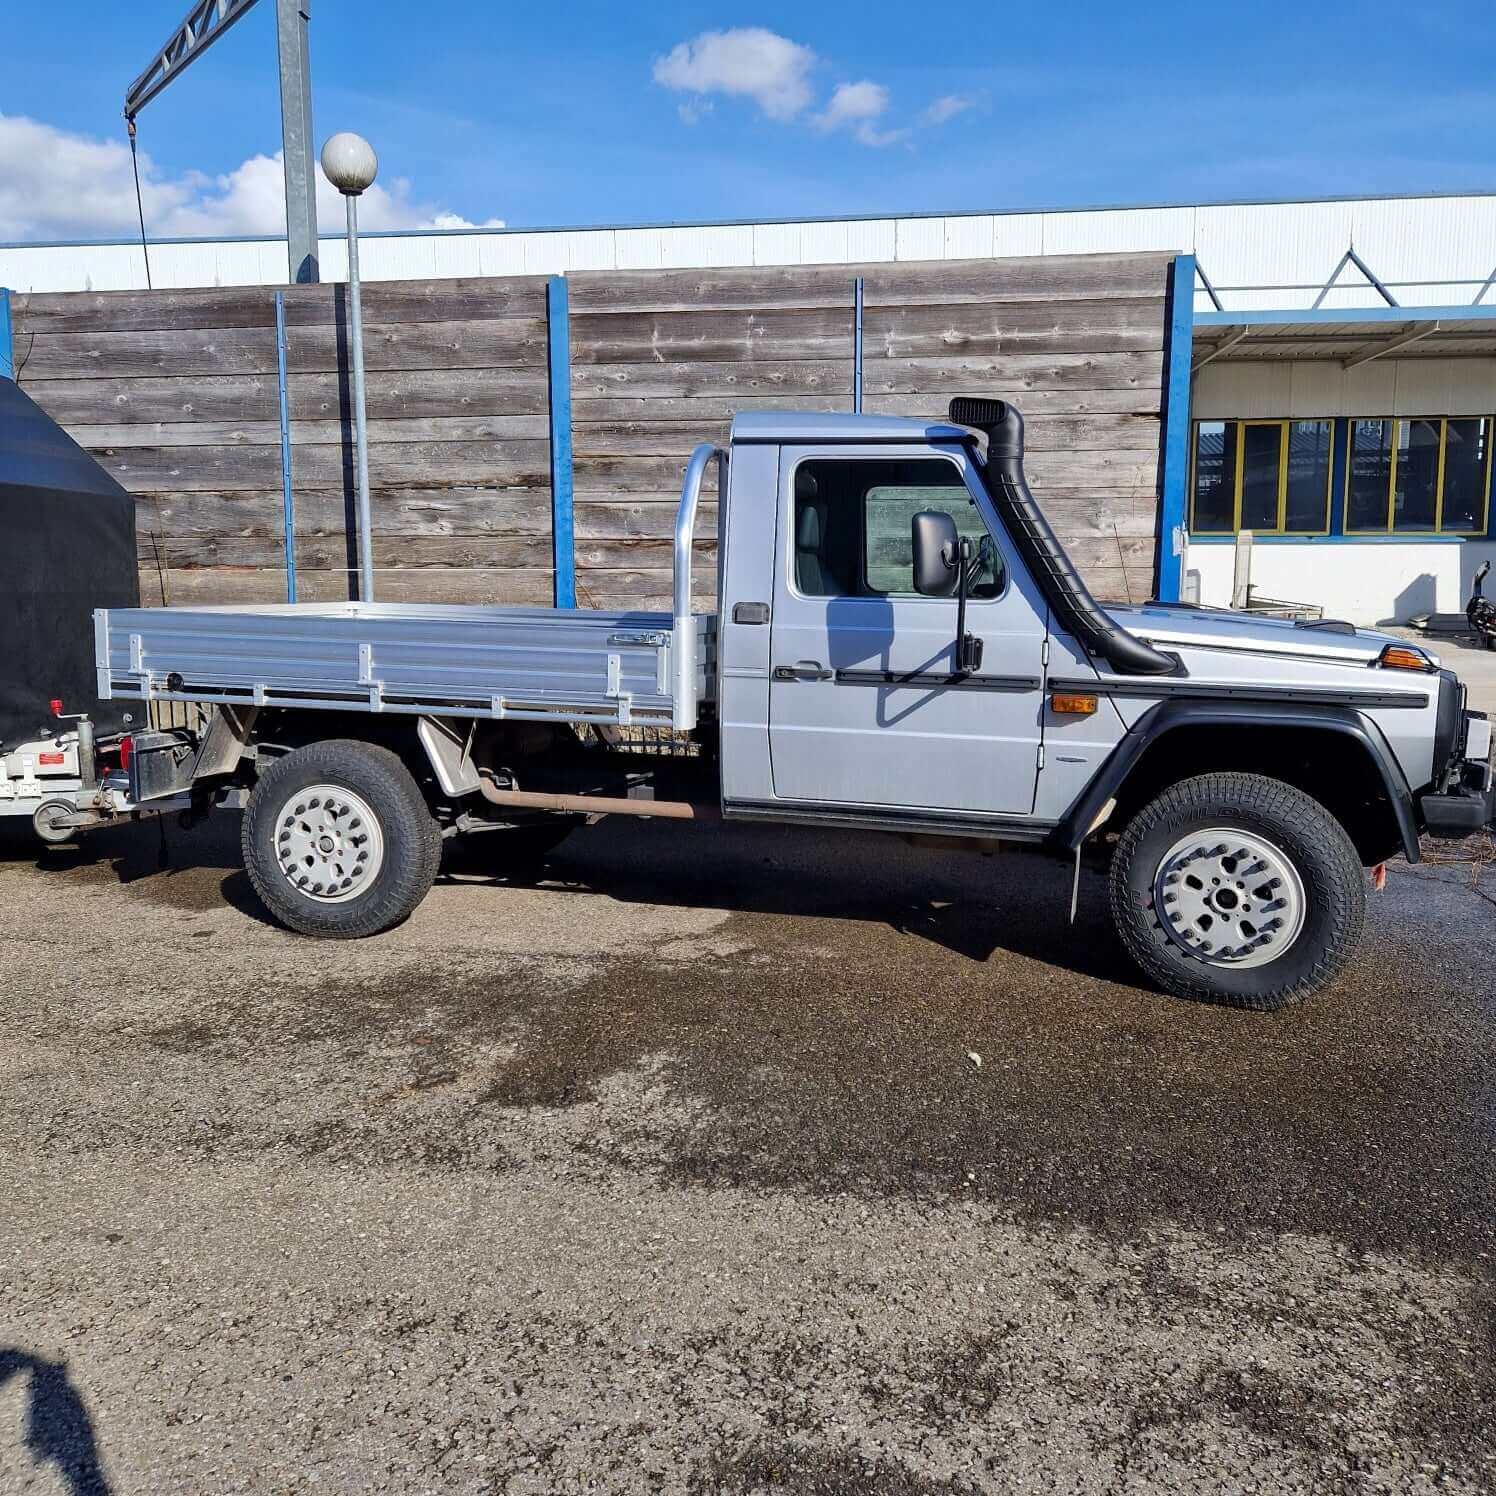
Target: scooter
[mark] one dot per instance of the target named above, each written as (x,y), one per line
(1480,611)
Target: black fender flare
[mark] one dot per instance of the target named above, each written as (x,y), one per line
(1167,716)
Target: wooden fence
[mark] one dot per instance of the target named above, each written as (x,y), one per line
(176,392)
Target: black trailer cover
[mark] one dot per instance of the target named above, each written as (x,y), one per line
(67,546)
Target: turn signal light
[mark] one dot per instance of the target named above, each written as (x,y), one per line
(1072,704)
(1404,657)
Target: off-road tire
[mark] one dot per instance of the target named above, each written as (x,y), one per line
(1334,887)
(412,843)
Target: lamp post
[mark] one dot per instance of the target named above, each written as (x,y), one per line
(349,163)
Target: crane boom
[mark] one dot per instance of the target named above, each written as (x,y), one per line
(203,24)
(199,29)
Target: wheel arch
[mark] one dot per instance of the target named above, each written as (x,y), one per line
(1358,780)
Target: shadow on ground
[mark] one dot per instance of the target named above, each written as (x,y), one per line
(58,1432)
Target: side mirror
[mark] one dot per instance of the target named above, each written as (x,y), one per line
(937,553)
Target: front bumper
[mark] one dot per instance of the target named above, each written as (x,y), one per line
(1468,802)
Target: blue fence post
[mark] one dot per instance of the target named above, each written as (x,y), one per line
(857,345)
(7,349)
(1178,352)
(288,502)
(563,540)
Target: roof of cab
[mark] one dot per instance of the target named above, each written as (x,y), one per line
(796,427)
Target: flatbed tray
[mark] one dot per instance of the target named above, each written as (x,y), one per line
(544,664)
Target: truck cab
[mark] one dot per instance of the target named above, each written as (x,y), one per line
(840,693)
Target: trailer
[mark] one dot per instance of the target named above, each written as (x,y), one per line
(69,548)
(900,644)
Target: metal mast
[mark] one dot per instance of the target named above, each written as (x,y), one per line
(199,29)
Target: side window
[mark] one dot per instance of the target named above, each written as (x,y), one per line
(852,535)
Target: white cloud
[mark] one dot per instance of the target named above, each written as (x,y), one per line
(946,108)
(749,62)
(55,184)
(858,107)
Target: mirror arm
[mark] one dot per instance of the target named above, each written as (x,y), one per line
(968,650)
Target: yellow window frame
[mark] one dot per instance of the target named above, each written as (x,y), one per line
(1195,478)
(1400,426)
(1350,456)
(1283,426)
(1489,425)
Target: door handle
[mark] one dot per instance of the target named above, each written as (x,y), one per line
(803,670)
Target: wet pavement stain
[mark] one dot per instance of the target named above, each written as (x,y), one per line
(735,1025)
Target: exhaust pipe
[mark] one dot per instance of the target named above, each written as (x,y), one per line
(596,805)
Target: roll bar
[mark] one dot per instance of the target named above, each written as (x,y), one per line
(682,624)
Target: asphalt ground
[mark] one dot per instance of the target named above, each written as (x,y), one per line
(729,1160)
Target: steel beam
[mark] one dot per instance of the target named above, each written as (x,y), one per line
(198,30)
(291,17)
(288,500)
(1380,350)
(7,350)
(563,543)
(1210,290)
(1224,346)
(1350,257)
(857,292)
(1174,475)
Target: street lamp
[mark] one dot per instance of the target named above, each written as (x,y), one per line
(349,163)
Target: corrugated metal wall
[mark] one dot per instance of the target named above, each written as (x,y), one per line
(1437,250)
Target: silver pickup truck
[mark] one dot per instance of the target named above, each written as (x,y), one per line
(901,645)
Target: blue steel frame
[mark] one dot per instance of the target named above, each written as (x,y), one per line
(7,351)
(1174,478)
(288,502)
(563,532)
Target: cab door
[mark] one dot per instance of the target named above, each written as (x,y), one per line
(864,706)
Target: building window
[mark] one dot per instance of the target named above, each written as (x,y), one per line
(1419,476)
(1270,477)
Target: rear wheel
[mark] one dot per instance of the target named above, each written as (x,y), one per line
(338,840)
(1238,889)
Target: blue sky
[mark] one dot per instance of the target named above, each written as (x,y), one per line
(592,113)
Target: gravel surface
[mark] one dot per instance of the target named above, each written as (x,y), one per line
(729,1160)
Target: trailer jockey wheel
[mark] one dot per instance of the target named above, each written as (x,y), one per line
(339,841)
(46,823)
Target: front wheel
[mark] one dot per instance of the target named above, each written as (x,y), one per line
(338,840)
(1237,889)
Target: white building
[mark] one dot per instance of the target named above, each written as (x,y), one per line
(1341,400)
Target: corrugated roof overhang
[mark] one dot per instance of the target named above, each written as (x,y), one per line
(1351,336)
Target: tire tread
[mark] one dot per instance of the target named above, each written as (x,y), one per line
(412,839)
(1334,885)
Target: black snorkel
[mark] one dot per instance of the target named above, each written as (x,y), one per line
(1077,611)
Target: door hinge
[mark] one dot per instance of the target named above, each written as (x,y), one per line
(1044,654)
(1041,755)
